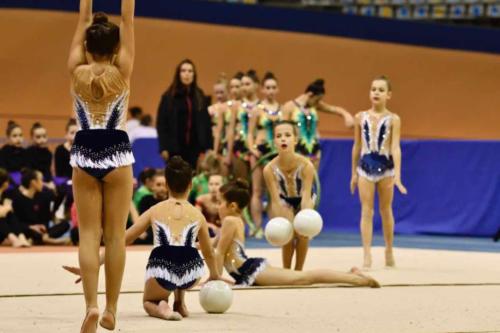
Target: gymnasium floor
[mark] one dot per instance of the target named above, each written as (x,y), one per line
(441,284)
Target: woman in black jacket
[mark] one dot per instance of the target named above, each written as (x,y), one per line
(183,121)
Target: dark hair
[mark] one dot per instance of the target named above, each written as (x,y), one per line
(178,174)
(238,76)
(4,176)
(177,87)
(35,126)
(71,122)
(11,125)
(102,36)
(146,174)
(252,74)
(135,111)
(237,191)
(269,76)
(386,79)
(27,176)
(317,87)
(146,120)
(286,122)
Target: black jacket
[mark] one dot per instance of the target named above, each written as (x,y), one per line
(172,118)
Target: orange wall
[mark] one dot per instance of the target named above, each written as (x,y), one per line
(438,93)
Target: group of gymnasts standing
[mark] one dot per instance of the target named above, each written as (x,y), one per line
(100,65)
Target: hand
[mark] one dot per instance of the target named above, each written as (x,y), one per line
(255,152)
(51,186)
(400,186)
(7,203)
(165,155)
(76,271)
(354,183)
(38,228)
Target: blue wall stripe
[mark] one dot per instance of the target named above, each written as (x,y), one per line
(316,22)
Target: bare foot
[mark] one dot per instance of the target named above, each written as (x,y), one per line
(24,241)
(181,309)
(89,324)
(108,320)
(389,259)
(367,280)
(167,312)
(367,261)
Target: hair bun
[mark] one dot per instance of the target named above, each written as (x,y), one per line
(242,184)
(269,75)
(11,123)
(100,18)
(319,82)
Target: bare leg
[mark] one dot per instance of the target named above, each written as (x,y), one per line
(24,241)
(272,276)
(287,254)
(385,190)
(155,302)
(88,199)
(302,245)
(366,196)
(117,193)
(179,304)
(256,201)
(14,241)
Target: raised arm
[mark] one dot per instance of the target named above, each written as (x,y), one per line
(126,54)
(207,250)
(356,150)
(396,153)
(337,110)
(77,49)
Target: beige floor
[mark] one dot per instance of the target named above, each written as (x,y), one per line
(430,291)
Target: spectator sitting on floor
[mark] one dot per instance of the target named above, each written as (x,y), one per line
(145,130)
(10,230)
(209,204)
(146,179)
(33,213)
(13,155)
(38,154)
(209,165)
(159,194)
(62,153)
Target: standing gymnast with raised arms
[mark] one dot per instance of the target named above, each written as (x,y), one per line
(100,64)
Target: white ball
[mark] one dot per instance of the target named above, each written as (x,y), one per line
(308,223)
(279,231)
(216,296)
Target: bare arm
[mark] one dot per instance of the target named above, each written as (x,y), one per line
(138,228)
(230,134)
(227,234)
(126,54)
(396,153)
(356,149)
(252,124)
(77,49)
(337,110)
(220,126)
(207,250)
(287,110)
(277,209)
(309,172)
